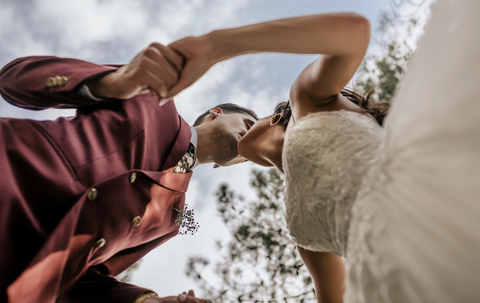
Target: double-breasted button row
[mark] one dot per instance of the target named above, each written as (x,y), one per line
(92,195)
(56,81)
(137,220)
(101,242)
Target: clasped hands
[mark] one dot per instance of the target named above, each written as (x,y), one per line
(160,70)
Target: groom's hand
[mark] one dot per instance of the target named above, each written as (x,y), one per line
(182,298)
(197,52)
(154,70)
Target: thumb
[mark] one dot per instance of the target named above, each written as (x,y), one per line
(181,84)
(183,298)
(191,72)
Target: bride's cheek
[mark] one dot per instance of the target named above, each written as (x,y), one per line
(241,148)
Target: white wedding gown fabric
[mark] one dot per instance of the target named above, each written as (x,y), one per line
(326,156)
(414,228)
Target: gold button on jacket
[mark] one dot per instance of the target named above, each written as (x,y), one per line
(100,243)
(92,194)
(51,82)
(56,81)
(133,177)
(136,221)
(61,80)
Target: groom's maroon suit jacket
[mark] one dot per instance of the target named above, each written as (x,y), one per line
(70,185)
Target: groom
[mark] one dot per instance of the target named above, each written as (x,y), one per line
(84,198)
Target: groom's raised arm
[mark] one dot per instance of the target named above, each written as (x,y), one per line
(45,81)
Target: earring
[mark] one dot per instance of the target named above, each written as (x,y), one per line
(275,119)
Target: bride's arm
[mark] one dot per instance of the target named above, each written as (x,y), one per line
(328,274)
(341,38)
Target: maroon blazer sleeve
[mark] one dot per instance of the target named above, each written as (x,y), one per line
(23,82)
(95,287)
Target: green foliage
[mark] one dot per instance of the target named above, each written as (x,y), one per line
(126,276)
(382,72)
(261,263)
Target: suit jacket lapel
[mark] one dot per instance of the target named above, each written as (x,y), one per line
(180,147)
(174,181)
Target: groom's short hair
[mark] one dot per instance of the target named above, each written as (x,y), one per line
(228,108)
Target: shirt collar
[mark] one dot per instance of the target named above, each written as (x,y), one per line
(194,141)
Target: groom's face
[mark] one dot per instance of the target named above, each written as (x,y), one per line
(229,129)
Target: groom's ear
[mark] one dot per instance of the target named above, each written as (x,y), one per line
(215,112)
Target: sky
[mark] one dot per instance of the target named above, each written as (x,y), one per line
(107,31)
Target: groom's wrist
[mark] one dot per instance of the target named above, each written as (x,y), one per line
(143,298)
(221,45)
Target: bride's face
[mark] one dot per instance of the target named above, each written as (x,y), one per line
(263,143)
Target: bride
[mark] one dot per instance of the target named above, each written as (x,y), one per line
(329,140)
(400,204)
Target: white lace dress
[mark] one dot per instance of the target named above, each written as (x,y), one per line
(402,204)
(326,156)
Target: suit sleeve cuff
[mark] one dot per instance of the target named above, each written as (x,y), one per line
(85,92)
(145,296)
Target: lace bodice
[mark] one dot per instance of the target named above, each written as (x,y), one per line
(325,158)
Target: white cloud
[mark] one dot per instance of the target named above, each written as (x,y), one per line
(90,20)
(16,34)
(204,94)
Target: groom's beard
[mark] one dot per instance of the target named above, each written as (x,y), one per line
(225,147)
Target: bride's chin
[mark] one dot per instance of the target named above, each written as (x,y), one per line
(250,151)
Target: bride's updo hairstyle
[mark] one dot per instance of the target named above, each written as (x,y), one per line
(377,110)
(285,110)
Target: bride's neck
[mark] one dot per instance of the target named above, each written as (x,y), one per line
(274,153)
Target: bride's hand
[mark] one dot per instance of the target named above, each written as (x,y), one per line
(197,52)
